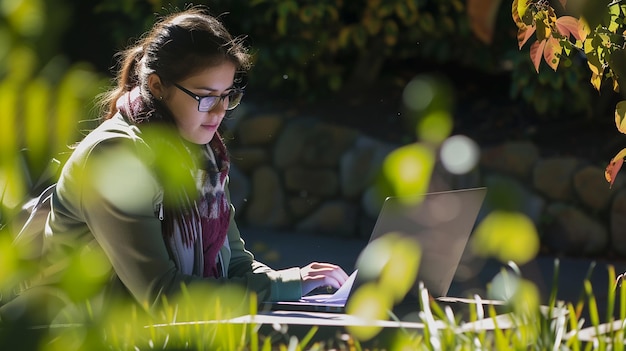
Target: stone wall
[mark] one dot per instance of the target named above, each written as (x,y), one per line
(300,174)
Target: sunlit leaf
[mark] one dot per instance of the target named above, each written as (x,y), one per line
(523,34)
(614,166)
(588,47)
(521,7)
(552,52)
(596,72)
(606,42)
(536,53)
(568,25)
(585,30)
(614,12)
(620,116)
(515,15)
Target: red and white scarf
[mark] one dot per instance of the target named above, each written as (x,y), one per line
(189,214)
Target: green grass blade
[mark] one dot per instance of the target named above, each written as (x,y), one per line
(581,299)
(555,284)
(308,337)
(610,303)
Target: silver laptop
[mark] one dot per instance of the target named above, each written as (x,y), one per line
(441,223)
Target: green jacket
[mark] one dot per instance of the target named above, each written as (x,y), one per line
(108,197)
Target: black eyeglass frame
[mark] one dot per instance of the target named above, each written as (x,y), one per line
(220,98)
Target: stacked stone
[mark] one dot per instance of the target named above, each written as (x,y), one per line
(297,173)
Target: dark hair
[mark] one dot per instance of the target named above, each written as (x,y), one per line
(177,46)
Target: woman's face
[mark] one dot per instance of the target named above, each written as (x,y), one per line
(195,126)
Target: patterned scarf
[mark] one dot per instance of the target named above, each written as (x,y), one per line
(205,213)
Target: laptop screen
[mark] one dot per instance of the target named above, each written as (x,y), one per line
(440,223)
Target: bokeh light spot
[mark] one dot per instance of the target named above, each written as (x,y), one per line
(435,127)
(418,94)
(459,154)
(408,169)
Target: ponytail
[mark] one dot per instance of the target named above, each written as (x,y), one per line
(178,45)
(126,79)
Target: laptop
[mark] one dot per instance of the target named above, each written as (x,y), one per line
(440,222)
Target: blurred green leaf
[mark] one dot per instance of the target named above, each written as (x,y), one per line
(507,236)
(25,16)
(369,303)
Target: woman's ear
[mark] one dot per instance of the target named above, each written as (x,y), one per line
(156,86)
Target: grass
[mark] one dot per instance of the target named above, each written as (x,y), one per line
(217,324)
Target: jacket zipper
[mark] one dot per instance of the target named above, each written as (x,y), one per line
(159,211)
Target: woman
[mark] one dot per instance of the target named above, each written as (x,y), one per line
(149,185)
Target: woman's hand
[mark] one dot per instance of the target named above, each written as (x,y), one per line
(320,274)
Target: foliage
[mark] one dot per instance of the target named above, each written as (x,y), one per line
(332,44)
(309,51)
(58,95)
(224,321)
(599,33)
(312,49)
(42,98)
(553,93)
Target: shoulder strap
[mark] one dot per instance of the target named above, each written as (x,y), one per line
(29,239)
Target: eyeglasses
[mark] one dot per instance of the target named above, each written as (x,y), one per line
(207,103)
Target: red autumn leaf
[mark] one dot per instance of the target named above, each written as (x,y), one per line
(612,169)
(536,53)
(482,17)
(614,166)
(552,52)
(523,34)
(568,25)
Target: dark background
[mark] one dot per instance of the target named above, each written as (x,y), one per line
(498,96)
